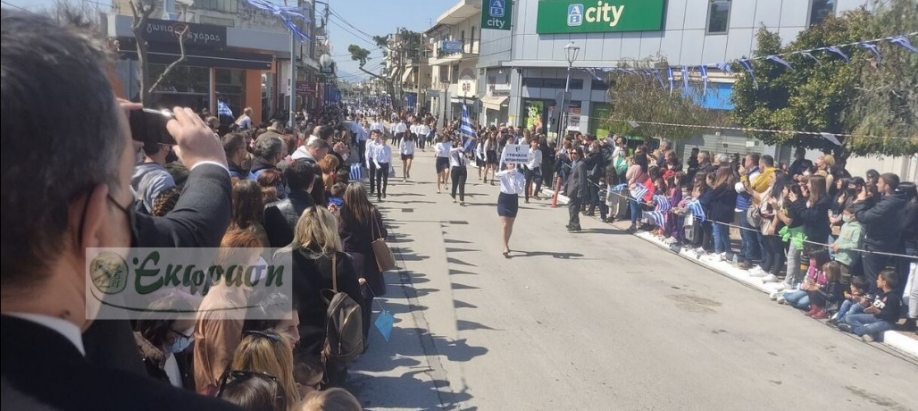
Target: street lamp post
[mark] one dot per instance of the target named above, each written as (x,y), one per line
(571,51)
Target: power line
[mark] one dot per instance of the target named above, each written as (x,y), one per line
(352,33)
(343,20)
(13,5)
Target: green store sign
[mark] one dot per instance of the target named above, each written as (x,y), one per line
(598,16)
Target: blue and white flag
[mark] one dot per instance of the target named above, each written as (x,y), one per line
(669,76)
(223,109)
(697,210)
(838,51)
(685,77)
(285,14)
(638,191)
(902,41)
(656,72)
(704,80)
(467,130)
(872,48)
(661,203)
(748,66)
(656,218)
(779,60)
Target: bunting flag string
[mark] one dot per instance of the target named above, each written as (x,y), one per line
(285,14)
(833,137)
(901,40)
(704,80)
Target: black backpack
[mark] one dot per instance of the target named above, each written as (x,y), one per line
(344,339)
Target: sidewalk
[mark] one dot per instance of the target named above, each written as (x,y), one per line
(894,339)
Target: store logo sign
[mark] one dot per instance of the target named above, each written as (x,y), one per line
(599,16)
(496,14)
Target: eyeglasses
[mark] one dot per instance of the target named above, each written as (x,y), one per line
(271,336)
(181,334)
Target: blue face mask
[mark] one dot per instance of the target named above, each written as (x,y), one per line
(181,343)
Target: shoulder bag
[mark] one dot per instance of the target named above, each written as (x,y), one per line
(384,257)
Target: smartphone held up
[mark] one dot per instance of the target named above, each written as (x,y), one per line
(149,126)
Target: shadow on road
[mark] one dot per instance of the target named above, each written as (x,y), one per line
(564,256)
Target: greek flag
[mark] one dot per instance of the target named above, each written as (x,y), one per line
(661,210)
(466,129)
(638,191)
(696,209)
(223,109)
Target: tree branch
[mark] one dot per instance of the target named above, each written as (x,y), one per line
(182,56)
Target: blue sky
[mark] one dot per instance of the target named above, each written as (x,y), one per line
(372,17)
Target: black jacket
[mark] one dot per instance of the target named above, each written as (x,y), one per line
(199,219)
(815,220)
(577,181)
(720,202)
(281,217)
(42,370)
(882,221)
(310,277)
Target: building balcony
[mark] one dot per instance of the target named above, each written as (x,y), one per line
(450,52)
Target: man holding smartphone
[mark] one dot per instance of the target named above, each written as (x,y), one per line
(882,221)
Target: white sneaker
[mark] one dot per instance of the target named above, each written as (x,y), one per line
(774,295)
(699,251)
(757,272)
(781,287)
(770,278)
(722,256)
(781,299)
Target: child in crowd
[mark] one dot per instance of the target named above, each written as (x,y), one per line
(676,184)
(336,199)
(850,238)
(828,299)
(855,300)
(308,373)
(814,283)
(882,315)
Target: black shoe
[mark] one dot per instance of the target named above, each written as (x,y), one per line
(845,328)
(573,229)
(833,322)
(632,229)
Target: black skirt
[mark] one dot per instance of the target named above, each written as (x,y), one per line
(442,164)
(407,157)
(491,157)
(508,205)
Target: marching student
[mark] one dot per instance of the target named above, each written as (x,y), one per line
(442,150)
(372,146)
(406,150)
(382,159)
(533,169)
(512,184)
(458,171)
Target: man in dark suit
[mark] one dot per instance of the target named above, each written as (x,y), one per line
(65,190)
(576,188)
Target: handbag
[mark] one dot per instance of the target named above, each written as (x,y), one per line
(384,257)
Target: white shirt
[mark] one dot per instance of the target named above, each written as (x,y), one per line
(456,159)
(382,154)
(399,127)
(371,148)
(422,130)
(69,330)
(534,158)
(413,129)
(407,147)
(443,148)
(511,181)
(377,126)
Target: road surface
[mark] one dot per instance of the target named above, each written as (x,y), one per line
(598,320)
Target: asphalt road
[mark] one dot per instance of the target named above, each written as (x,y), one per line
(598,320)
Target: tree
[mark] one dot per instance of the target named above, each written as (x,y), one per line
(887,101)
(818,93)
(141,11)
(362,55)
(637,95)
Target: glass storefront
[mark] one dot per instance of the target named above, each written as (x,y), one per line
(230,86)
(183,86)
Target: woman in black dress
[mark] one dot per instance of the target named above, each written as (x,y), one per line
(360,223)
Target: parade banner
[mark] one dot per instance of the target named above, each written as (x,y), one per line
(515,154)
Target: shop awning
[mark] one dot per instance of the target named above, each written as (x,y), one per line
(493,102)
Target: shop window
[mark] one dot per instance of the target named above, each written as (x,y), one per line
(820,10)
(225,6)
(557,83)
(718,16)
(230,86)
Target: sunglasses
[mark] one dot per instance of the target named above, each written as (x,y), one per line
(262,334)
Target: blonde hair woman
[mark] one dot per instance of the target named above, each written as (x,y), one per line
(335,399)
(315,249)
(329,166)
(270,354)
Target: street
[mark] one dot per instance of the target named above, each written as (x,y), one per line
(598,320)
